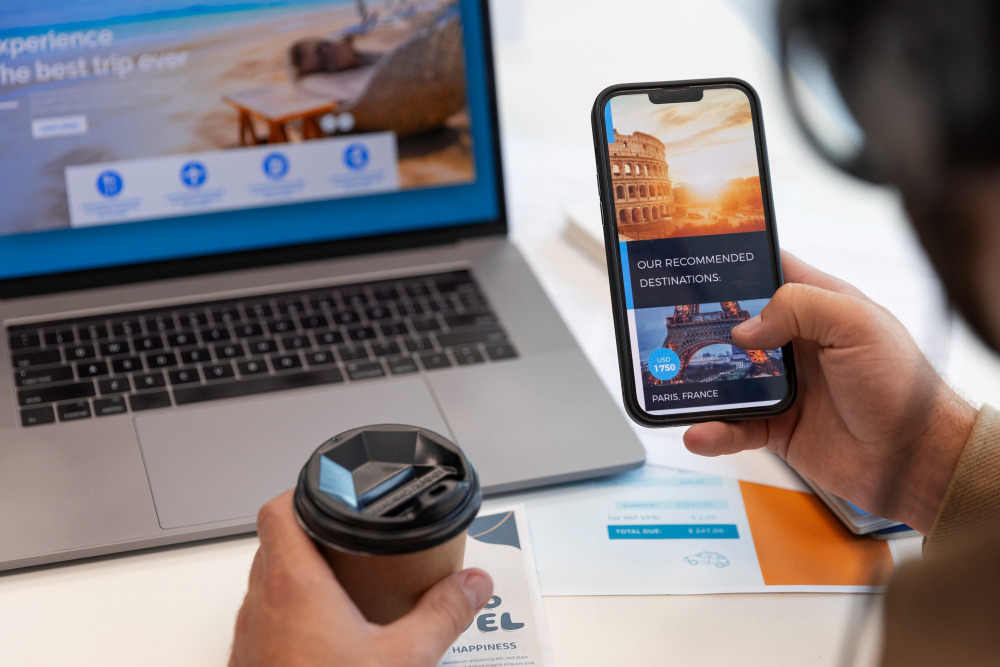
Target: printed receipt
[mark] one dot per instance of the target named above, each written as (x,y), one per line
(511,631)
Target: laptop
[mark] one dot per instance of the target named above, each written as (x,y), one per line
(231,231)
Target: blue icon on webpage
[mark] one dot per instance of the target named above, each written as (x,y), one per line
(356,156)
(275,166)
(109,183)
(664,364)
(194,174)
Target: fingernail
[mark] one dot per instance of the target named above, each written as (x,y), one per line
(478,588)
(749,326)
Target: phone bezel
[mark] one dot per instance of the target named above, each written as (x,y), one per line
(616,279)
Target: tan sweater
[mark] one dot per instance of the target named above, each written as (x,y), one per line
(946,609)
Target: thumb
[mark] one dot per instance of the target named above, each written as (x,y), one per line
(444,612)
(831,319)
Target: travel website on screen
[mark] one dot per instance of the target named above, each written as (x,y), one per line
(128,110)
(695,250)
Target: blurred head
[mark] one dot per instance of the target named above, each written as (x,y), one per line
(919,85)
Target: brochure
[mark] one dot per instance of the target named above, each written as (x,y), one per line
(663,531)
(511,631)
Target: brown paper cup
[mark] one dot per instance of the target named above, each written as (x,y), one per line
(386,588)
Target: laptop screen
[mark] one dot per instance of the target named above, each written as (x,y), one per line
(134,131)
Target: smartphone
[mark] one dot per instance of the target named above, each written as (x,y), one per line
(692,249)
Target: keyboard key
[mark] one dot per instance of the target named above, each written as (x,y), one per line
(320,358)
(149,381)
(281,326)
(196,394)
(385,293)
(25,341)
(148,344)
(92,369)
(361,333)
(109,406)
(182,339)
(500,351)
(64,392)
(263,347)
(159,323)
(441,305)
(219,372)
(365,371)
(449,285)
(402,366)
(161,360)
(193,319)
(295,342)
(385,349)
(394,329)
(325,303)
(30,378)
(227,314)
(472,300)
(231,351)
(114,386)
(41,358)
(437,360)
(352,353)
(80,352)
(184,376)
(354,297)
(38,416)
(417,288)
(426,325)
(419,344)
(378,313)
(411,309)
(466,337)
(467,354)
(286,363)
(92,332)
(149,401)
(469,320)
(259,309)
(329,338)
(127,365)
(195,356)
(346,317)
(291,306)
(252,367)
(76,410)
(115,347)
(59,337)
(126,327)
(215,335)
(249,330)
(314,322)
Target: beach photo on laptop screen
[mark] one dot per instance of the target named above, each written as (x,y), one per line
(695,247)
(129,110)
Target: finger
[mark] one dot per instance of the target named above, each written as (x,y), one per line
(828,318)
(721,438)
(256,568)
(444,612)
(282,540)
(797,271)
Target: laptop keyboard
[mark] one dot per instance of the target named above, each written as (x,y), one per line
(94,367)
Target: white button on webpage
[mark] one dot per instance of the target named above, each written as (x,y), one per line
(63,126)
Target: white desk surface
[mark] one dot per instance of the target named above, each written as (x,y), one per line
(176,606)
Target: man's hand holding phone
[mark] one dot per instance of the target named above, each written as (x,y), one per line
(873,421)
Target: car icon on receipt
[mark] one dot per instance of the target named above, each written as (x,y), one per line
(707,558)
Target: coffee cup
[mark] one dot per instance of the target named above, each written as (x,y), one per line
(388,507)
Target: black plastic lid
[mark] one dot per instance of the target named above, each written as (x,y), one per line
(387,489)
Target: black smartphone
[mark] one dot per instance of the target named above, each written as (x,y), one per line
(692,249)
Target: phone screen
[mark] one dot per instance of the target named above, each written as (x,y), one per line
(697,249)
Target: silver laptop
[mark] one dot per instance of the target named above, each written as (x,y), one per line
(230,232)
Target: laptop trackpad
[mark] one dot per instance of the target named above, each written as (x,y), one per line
(222,461)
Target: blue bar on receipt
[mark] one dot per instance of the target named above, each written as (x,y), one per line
(675,532)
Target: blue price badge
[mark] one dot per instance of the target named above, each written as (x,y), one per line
(664,364)
(109,183)
(275,166)
(194,174)
(356,156)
